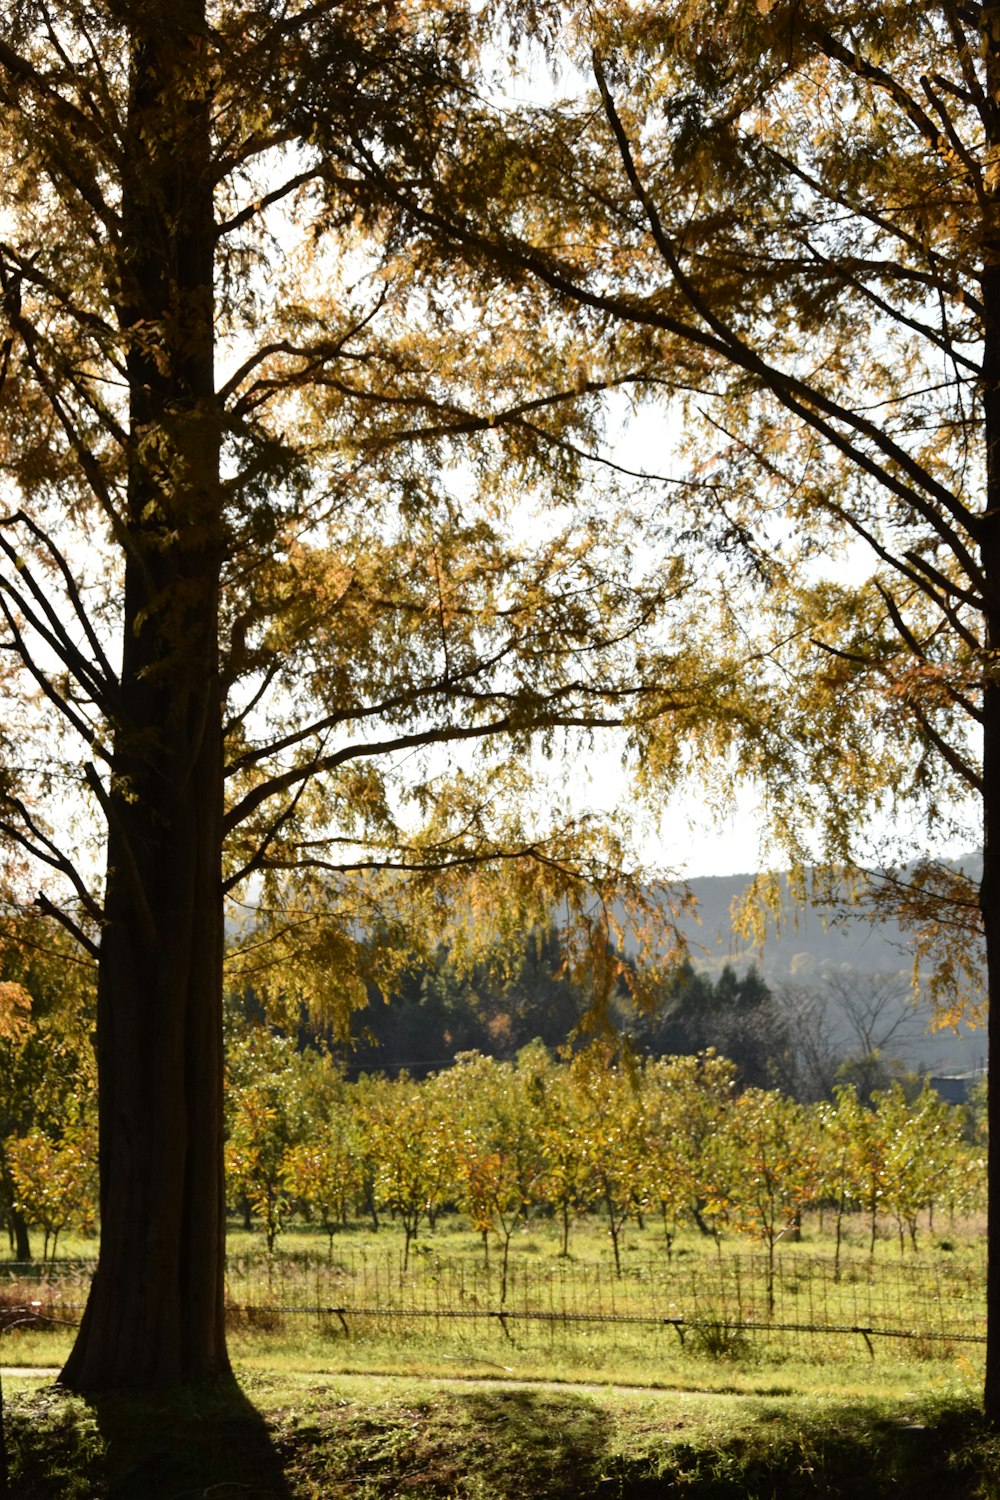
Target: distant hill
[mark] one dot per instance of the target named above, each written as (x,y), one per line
(811,947)
(807,941)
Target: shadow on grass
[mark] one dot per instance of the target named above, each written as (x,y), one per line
(844,1453)
(492,1445)
(177,1445)
(503,1444)
(537,1443)
(489,1444)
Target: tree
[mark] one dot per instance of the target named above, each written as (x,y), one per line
(239,593)
(815,1048)
(839,1125)
(686,1101)
(510,995)
(567,1178)
(46,1058)
(766,1170)
(922,1142)
(792,209)
(610,1107)
(54,1181)
(499,1151)
(322,1171)
(736,1014)
(267,1118)
(410,1138)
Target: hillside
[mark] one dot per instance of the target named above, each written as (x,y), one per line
(823,950)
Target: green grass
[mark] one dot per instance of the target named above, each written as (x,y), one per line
(714,1294)
(590,1241)
(303,1438)
(376,1411)
(611,1355)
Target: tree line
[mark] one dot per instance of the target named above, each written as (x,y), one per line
(672,1140)
(509,1005)
(802,1038)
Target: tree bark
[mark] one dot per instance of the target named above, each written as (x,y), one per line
(990,888)
(22,1240)
(989,895)
(990,903)
(155,1312)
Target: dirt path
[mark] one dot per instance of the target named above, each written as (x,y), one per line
(466,1382)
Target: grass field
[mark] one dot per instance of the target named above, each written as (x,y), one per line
(373,1438)
(435,1407)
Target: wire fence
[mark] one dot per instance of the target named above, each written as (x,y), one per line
(925,1307)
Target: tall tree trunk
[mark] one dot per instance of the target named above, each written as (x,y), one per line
(990,553)
(155,1312)
(990,888)
(990,902)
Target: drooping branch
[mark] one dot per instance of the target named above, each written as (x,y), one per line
(803,400)
(418,739)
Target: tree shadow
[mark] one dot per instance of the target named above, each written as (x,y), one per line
(555,1443)
(184,1444)
(841,1453)
(179,1444)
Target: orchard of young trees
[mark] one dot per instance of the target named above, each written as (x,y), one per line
(311,545)
(672,1141)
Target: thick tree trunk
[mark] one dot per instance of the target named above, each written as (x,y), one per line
(155,1312)
(990,555)
(990,901)
(990,889)
(990,904)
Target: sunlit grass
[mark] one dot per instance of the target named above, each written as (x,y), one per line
(375,1437)
(714,1354)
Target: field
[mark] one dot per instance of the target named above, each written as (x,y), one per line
(355,1304)
(359,1377)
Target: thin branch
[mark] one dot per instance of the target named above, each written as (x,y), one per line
(268,200)
(65,920)
(257,860)
(447,734)
(42,847)
(904,566)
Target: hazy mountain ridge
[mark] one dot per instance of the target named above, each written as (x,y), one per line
(810,946)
